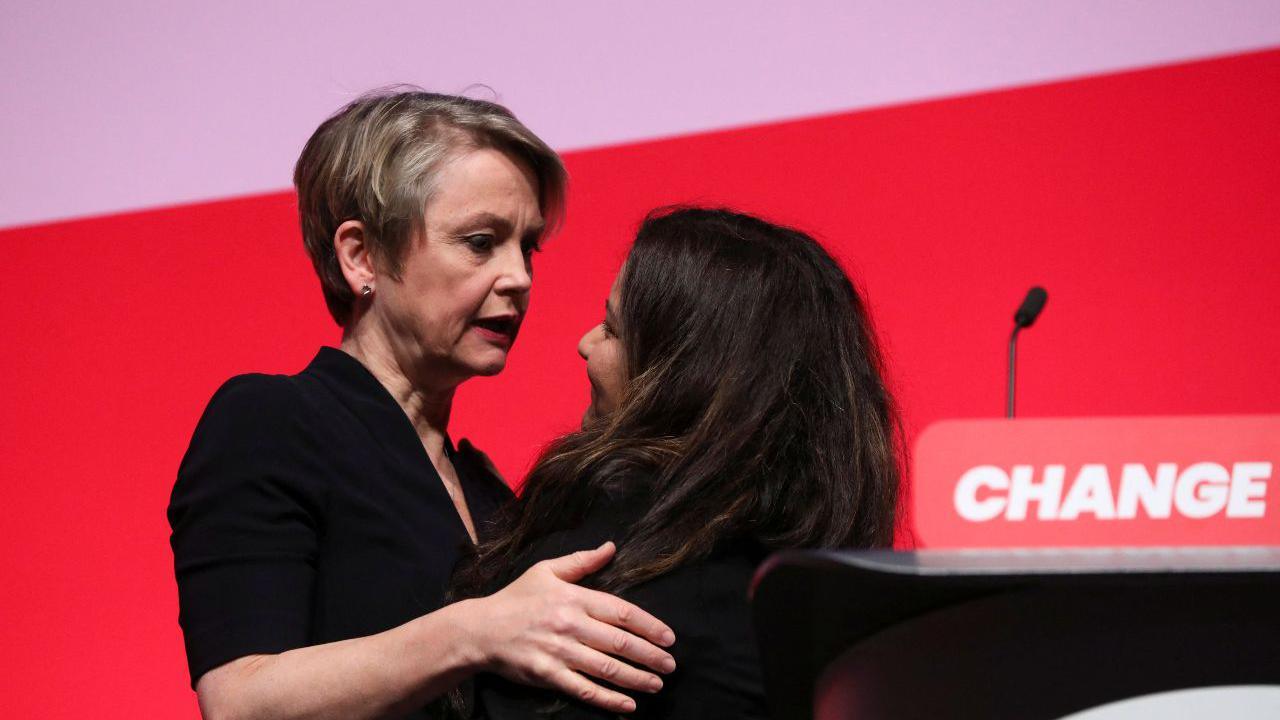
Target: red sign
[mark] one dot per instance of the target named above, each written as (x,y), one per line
(1098,481)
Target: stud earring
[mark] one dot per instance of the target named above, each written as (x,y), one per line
(365,290)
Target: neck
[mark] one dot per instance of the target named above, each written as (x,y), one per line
(426,406)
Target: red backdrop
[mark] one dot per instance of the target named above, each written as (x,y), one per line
(1145,202)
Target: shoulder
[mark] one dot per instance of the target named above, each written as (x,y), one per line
(255,408)
(253,430)
(255,396)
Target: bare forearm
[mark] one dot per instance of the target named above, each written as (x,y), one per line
(539,630)
(380,676)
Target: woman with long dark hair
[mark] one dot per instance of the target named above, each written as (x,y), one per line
(738,407)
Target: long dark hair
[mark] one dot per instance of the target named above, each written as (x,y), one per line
(755,407)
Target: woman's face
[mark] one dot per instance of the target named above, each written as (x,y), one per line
(602,348)
(464,283)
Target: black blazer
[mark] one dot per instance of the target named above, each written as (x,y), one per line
(306,511)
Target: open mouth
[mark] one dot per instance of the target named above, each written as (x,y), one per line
(504,326)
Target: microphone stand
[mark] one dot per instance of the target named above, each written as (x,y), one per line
(1013,369)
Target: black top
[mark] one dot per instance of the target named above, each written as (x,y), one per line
(307,511)
(717,662)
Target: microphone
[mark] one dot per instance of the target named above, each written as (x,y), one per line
(1030,308)
(1025,317)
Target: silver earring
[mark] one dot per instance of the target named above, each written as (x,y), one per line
(365,290)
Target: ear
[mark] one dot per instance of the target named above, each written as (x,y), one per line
(350,244)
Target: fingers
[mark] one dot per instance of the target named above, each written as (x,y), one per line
(576,686)
(621,614)
(565,636)
(572,568)
(595,663)
(615,641)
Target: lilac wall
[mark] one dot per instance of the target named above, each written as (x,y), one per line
(122,105)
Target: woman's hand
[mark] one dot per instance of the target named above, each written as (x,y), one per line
(544,630)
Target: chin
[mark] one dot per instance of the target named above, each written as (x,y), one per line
(487,366)
(488,369)
(481,359)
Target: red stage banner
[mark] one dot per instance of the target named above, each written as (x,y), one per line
(1098,481)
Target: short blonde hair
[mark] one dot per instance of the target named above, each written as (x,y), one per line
(376,160)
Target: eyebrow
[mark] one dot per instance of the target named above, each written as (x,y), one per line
(608,311)
(485,217)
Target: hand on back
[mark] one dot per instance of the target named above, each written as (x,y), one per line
(543,630)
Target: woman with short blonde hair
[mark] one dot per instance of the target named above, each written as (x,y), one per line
(317,517)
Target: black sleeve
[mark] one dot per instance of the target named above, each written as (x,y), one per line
(245,514)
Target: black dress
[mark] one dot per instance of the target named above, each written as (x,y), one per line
(306,511)
(717,662)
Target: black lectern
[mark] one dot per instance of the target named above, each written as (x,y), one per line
(1026,634)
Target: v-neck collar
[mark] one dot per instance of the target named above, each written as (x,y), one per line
(373,405)
(357,387)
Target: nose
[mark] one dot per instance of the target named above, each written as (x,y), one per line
(587,342)
(516,274)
